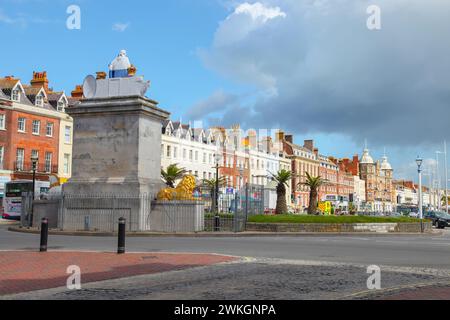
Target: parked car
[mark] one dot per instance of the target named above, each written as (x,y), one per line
(439,219)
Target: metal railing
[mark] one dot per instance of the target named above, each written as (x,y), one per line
(233,210)
(40,168)
(102,211)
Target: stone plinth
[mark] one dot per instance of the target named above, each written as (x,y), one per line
(116,146)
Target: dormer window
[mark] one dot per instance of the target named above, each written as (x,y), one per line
(61,106)
(39,101)
(15,95)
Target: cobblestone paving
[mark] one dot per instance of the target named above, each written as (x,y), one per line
(438,291)
(254,279)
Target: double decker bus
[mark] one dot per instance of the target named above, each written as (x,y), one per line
(12,201)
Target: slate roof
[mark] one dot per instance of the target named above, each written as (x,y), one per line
(53,98)
(6,86)
(197,132)
(31,93)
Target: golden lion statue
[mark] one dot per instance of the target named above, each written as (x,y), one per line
(184,191)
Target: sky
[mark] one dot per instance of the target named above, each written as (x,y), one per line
(310,67)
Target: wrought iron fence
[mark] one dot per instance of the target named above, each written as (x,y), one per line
(101,212)
(233,210)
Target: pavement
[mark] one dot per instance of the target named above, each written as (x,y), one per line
(308,267)
(30,271)
(226,278)
(407,250)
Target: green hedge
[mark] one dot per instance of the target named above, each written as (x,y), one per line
(328,219)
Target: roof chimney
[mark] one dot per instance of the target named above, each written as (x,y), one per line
(309,144)
(40,80)
(279,136)
(78,92)
(290,138)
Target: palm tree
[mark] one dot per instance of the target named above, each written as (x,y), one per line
(314,183)
(210,185)
(282,178)
(172,174)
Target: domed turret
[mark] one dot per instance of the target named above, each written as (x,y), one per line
(366,158)
(385,165)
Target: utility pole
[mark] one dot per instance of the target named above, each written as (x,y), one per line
(419,162)
(438,176)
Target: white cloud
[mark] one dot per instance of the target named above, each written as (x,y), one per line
(6,19)
(259,11)
(120,27)
(327,73)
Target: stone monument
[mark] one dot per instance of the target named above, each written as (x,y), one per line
(117,136)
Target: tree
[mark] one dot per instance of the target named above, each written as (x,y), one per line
(172,174)
(313,183)
(282,178)
(210,185)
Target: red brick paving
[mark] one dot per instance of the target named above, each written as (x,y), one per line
(425,293)
(30,271)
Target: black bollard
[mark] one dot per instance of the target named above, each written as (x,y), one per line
(121,244)
(44,235)
(217,223)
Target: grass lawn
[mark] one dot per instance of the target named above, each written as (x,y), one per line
(328,219)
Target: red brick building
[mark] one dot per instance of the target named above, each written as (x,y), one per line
(30,119)
(40,136)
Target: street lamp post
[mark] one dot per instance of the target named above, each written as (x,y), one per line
(446,177)
(34,161)
(438,177)
(217,158)
(430,188)
(419,162)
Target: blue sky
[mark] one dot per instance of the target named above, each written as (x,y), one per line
(308,66)
(161,40)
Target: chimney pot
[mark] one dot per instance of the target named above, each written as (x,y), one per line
(290,138)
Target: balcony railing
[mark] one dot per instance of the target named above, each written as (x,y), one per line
(40,167)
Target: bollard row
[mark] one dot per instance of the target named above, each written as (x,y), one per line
(121,237)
